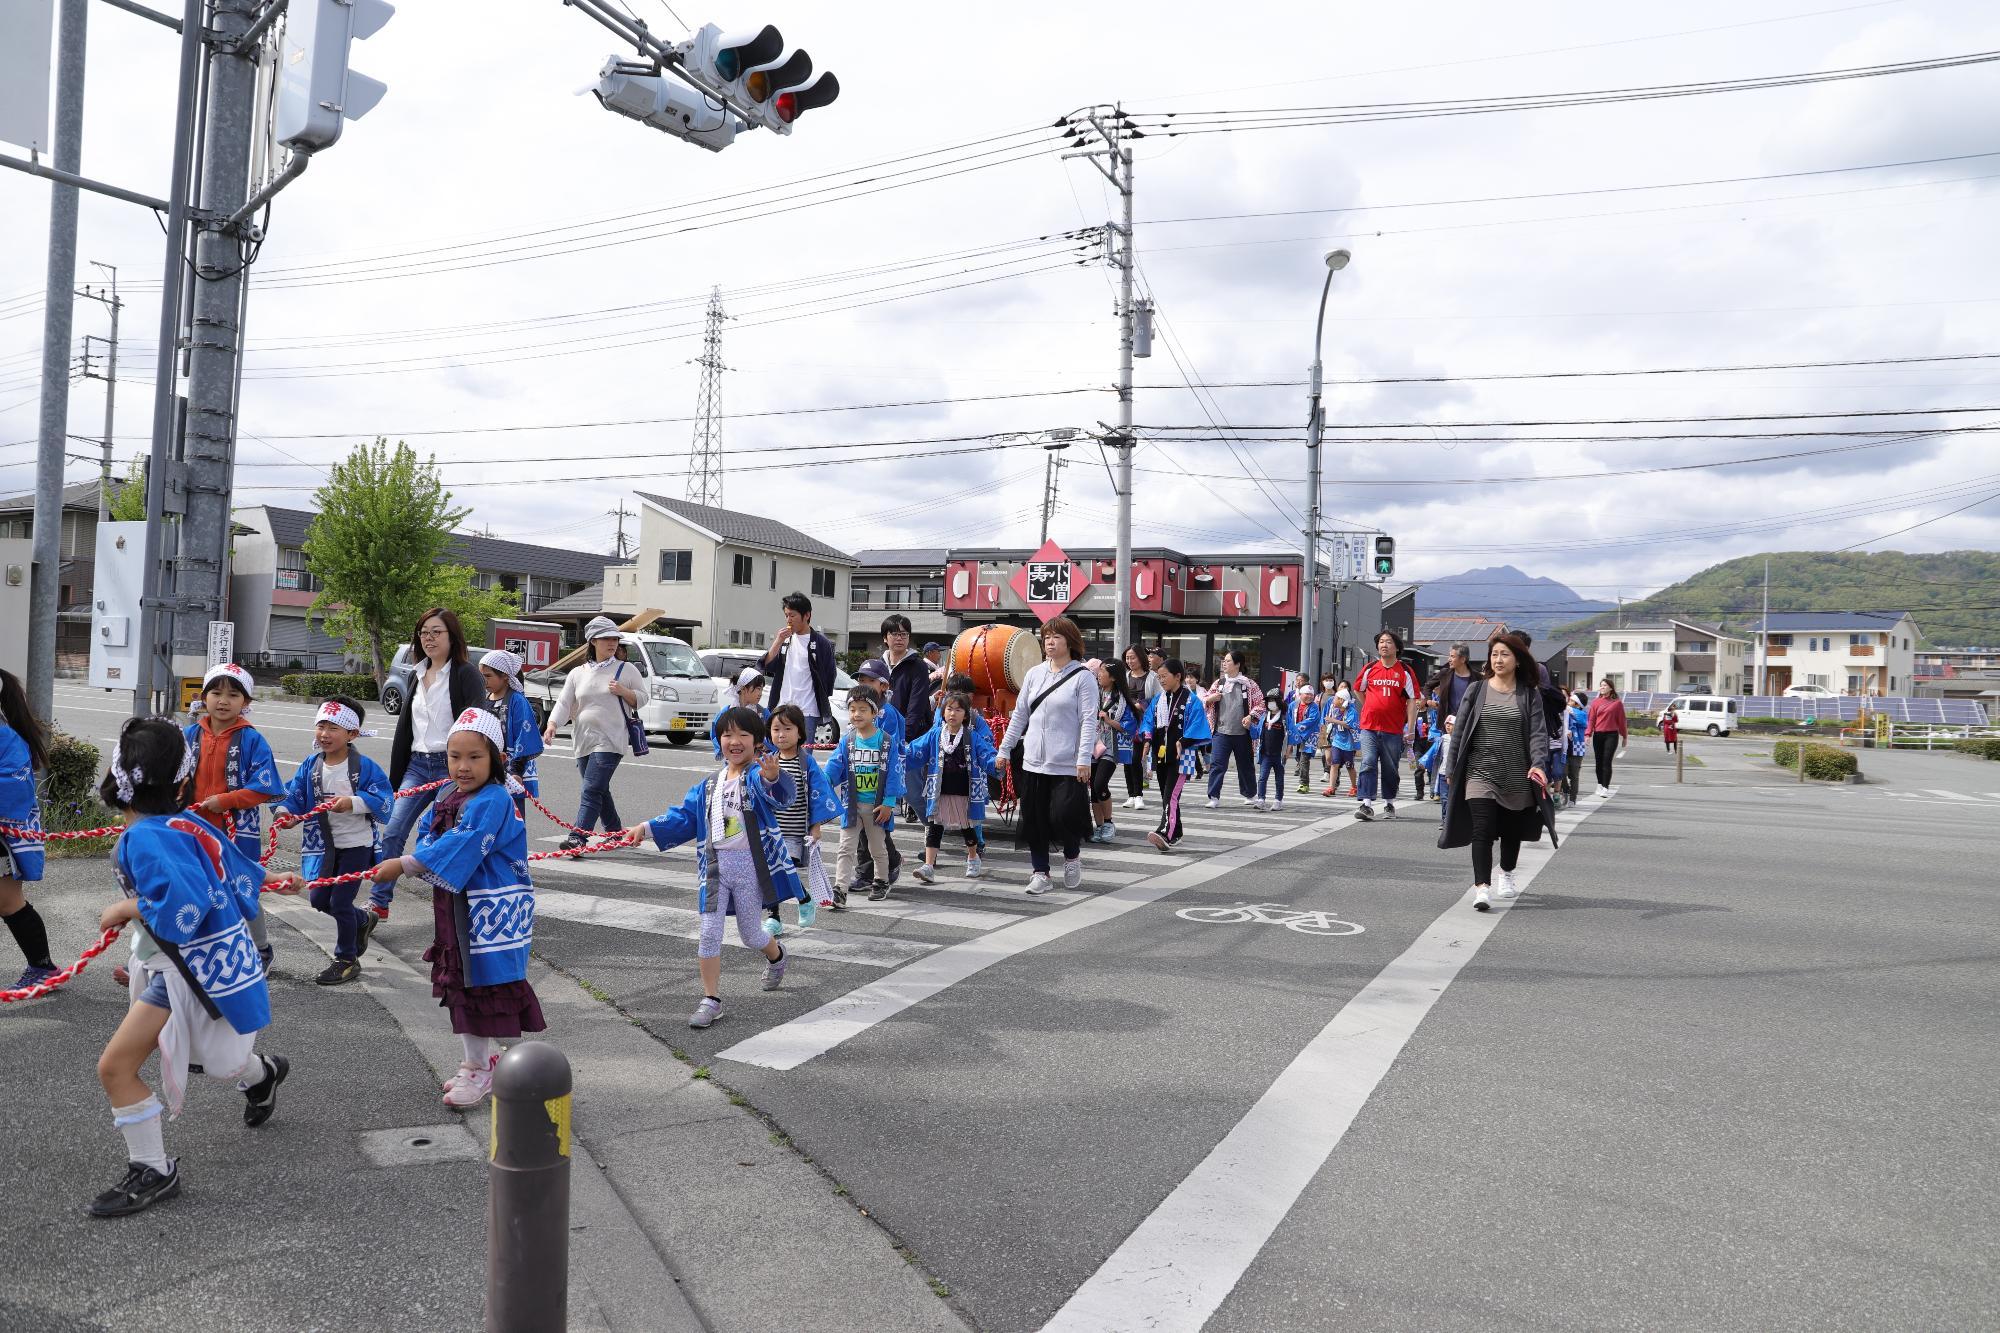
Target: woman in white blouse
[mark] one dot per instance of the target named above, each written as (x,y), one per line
(1053,778)
(595,696)
(442,685)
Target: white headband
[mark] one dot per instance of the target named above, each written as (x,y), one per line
(232,672)
(506,663)
(126,779)
(341,716)
(483,722)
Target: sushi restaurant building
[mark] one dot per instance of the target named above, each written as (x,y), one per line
(1195,606)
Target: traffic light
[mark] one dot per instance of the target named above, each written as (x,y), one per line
(316,89)
(1385,557)
(751,72)
(666,104)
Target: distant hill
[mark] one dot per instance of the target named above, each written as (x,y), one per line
(1930,587)
(1505,593)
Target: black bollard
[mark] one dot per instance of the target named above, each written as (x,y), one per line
(527,1203)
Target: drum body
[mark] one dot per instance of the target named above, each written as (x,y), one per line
(998,658)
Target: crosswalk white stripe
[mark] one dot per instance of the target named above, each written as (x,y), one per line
(1173,1272)
(685,923)
(790,1045)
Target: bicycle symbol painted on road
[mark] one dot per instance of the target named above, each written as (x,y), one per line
(1272,914)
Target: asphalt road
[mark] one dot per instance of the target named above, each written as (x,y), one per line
(1731,1068)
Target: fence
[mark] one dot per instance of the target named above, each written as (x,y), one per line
(1844,708)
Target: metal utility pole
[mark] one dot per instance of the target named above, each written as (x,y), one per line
(215,337)
(621,549)
(1115,134)
(704,480)
(45,583)
(1051,480)
(114,305)
(1764,637)
(1336,260)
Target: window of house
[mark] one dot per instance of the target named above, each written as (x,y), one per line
(292,571)
(857,594)
(896,594)
(822,582)
(1819,680)
(1646,682)
(930,594)
(1856,640)
(676,566)
(1620,646)
(1617,679)
(774,573)
(760,638)
(734,638)
(1781,640)
(1650,646)
(1696,646)
(742,571)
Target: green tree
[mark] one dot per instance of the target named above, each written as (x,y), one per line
(128,498)
(452,586)
(385,521)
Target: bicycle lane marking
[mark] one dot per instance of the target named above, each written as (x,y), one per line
(1272,914)
(1175,1270)
(789,1045)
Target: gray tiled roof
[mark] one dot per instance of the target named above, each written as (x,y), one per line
(749,529)
(494,554)
(589,602)
(81,495)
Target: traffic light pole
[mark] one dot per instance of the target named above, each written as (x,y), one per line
(1309,582)
(215,336)
(45,578)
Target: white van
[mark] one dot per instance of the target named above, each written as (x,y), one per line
(1715,714)
(680,698)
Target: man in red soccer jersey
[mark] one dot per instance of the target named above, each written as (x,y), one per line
(1390,696)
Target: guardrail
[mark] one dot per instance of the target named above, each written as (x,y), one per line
(1914,736)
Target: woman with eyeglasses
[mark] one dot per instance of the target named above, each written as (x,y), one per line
(442,685)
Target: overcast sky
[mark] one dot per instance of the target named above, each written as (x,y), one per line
(482,158)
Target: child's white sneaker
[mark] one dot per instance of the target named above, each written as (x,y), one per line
(925,875)
(974,867)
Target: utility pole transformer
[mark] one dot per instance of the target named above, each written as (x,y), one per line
(1112,156)
(704,479)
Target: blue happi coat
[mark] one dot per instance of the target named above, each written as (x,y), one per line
(1180,713)
(251,767)
(840,772)
(926,756)
(1343,726)
(196,893)
(524,737)
(822,802)
(1302,728)
(689,822)
(482,860)
(19,804)
(308,789)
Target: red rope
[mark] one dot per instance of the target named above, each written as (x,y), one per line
(50,986)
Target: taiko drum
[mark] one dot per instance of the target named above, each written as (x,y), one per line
(998,658)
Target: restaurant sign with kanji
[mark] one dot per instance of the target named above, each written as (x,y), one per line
(1049,582)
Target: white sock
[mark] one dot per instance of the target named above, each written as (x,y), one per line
(253,1073)
(478,1051)
(140,1124)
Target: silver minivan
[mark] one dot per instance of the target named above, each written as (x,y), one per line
(1716,714)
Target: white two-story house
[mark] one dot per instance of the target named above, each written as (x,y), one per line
(1672,657)
(1848,652)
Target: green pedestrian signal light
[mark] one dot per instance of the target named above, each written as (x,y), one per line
(1385,557)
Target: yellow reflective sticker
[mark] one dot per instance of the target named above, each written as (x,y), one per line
(558,1109)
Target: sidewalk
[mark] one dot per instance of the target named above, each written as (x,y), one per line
(688,1214)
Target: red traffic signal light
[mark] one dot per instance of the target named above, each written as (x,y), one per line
(795,102)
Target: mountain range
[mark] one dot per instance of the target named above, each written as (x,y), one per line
(1505,593)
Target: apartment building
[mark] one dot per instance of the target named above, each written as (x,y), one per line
(1672,656)
(1848,652)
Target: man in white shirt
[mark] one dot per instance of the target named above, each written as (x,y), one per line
(800,664)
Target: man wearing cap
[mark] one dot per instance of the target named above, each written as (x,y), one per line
(800,664)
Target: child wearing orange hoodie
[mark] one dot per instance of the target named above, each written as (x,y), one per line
(235,771)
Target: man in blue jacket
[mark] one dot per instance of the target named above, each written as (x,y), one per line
(800,665)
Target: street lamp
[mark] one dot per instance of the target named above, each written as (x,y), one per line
(1336,260)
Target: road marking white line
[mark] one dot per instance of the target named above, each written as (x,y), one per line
(1950,795)
(685,923)
(1176,1269)
(790,1045)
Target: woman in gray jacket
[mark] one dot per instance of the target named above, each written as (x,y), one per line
(1499,769)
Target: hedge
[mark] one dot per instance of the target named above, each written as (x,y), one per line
(1827,763)
(319,684)
(1986,748)
(69,797)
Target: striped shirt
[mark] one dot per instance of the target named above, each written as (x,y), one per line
(1496,768)
(792,820)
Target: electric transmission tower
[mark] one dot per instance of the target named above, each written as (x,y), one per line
(704,479)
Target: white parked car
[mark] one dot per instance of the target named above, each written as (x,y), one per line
(1809,692)
(680,699)
(726,664)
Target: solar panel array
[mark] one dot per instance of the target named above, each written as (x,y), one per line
(1943,712)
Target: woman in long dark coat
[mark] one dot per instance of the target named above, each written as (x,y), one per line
(1499,769)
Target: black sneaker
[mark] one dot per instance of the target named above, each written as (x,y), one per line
(141,1189)
(572,842)
(1362,812)
(1388,810)
(262,1099)
(365,932)
(878,892)
(839,900)
(339,972)
(266,954)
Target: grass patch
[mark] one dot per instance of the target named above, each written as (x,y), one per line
(939,1289)
(701,1071)
(782,1139)
(738,1099)
(595,992)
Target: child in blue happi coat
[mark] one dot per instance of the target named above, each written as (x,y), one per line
(955,761)
(235,771)
(812,807)
(1176,731)
(501,671)
(750,695)
(197,984)
(472,849)
(346,838)
(1303,714)
(873,676)
(24,748)
(741,860)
